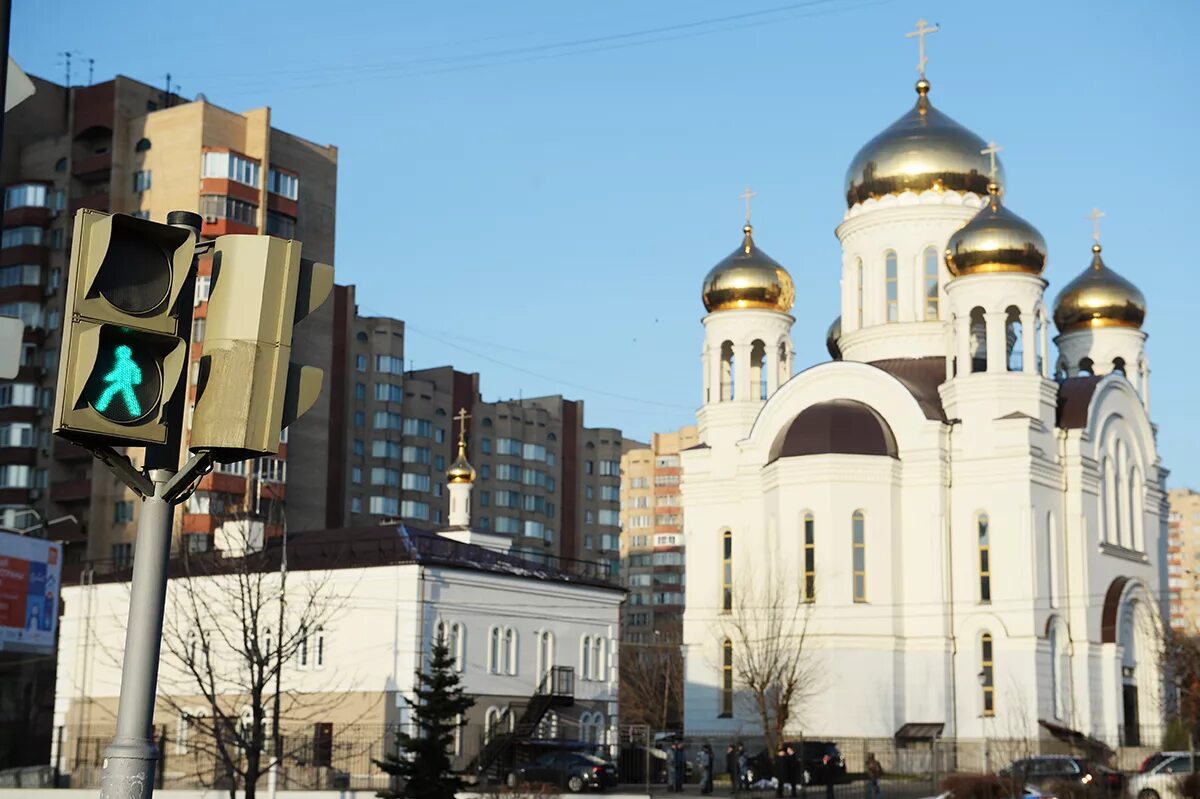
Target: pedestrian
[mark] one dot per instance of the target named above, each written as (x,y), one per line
(874,771)
(827,768)
(795,774)
(779,768)
(680,761)
(743,768)
(705,760)
(731,768)
(671,767)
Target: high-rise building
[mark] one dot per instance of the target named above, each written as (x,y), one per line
(652,538)
(1183,559)
(123,146)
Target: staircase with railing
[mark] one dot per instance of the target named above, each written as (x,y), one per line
(519,722)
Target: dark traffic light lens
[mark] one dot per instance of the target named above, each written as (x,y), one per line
(136,275)
(126,383)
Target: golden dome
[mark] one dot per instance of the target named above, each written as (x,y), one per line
(461,471)
(748,278)
(1099,298)
(833,339)
(924,149)
(996,240)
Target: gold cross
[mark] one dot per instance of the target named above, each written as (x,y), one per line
(748,195)
(919,34)
(1096,215)
(991,151)
(462,416)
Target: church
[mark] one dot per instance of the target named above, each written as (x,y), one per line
(967,523)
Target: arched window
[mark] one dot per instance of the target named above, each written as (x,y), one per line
(727,678)
(1122,497)
(441,633)
(585,658)
(782,365)
(987,674)
(457,644)
(491,722)
(319,648)
(1108,498)
(758,368)
(1136,499)
(858,524)
(600,661)
(1086,367)
(1038,327)
(545,654)
(932,304)
(985,558)
(1014,340)
(810,559)
(1056,668)
(727,367)
(859,284)
(1119,365)
(142,146)
(487,422)
(727,571)
(510,651)
(891,286)
(978,340)
(302,648)
(494,650)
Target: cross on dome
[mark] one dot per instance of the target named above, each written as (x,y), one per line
(748,195)
(461,417)
(1096,215)
(923,30)
(991,151)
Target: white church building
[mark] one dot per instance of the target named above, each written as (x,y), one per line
(971,523)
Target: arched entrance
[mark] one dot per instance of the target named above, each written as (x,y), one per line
(1130,620)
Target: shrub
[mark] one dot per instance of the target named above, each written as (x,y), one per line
(1189,786)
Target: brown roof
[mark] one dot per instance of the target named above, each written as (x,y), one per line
(1074,397)
(921,376)
(836,426)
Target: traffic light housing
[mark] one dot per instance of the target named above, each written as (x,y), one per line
(123,355)
(248,390)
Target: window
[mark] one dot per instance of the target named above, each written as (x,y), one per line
(141,181)
(356,504)
(508,525)
(810,559)
(284,184)
(859,555)
(610,493)
(415,455)
(16,434)
(609,517)
(360,391)
(533,452)
(892,286)
(386,420)
(18,394)
(494,650)
(389,392)
(20,275)
(485,446)
(20,236)
(585,657)
(356,475)
(987,676)
(357,447)
(985,565)
(610,468)
(360,363)
(589,467)
(931,282)
(410,509)
(383,476)
(218,206)
(360,419)
(30,313)
(385,449)
(203,288)
(415,482)
(418,427)
(231,166)
(508,471)
(280,225)
(122,555)
(198,326)
(726,679)
(25,195)
(142,145)
(385,506)
(510,651)
(389,364)
(727,571)
(122,511)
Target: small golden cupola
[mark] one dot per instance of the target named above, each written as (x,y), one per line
(461,470)
(1099,298)
(748,278)
(996,240)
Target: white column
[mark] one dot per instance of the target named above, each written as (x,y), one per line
(1029,344)
(741,373)
(1044,346)
(962,332)
(715,372)
(997,348)
(460,505)
(706,367)
(772,367)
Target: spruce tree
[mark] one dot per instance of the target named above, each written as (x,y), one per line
(423,762)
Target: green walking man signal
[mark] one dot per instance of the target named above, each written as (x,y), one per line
(124,376)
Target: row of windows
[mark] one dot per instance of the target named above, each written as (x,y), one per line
(230,166)
(280,225)
(20,275)
(34,195)
(220,206)
(285,184)
(20,476)
(930,261)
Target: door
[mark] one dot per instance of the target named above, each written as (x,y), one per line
(1132,727)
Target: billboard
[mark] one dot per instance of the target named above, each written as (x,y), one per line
(30,576)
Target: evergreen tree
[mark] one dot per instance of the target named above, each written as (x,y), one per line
(423,762)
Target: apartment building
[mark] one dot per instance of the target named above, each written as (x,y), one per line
(652,539)
(1183,559)
(124,146)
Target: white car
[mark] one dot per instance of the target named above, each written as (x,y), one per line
(1161,780)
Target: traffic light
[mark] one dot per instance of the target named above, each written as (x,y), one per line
(123,355)
(248,391)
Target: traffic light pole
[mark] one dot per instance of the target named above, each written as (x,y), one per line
(130,760)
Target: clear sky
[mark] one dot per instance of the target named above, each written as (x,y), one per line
(538,187)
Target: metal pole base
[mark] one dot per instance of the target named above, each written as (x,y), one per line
(129,768)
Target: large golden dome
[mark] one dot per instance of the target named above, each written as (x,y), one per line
(924,149)
(996,240)
(748,278)
(1099,298)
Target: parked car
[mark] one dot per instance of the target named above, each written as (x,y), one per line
(574,771)
(822,763)
(1043,771)
(1159,776)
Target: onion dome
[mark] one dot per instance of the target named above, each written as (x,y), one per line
(922,150)
(748,278)
(831,339)
(1099,298)
(996,240)
(461,471)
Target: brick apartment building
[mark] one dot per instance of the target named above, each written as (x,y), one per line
(1183,559)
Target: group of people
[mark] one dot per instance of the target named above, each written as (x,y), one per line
(787,769)
(677,767)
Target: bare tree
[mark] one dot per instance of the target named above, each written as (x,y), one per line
(772,663)
(651,684)
(1181,664)
(234,624)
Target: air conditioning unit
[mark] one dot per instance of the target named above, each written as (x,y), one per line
(210,220)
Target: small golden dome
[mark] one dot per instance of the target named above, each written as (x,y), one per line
(922,150)
(1099,298)
(461,471)
(748,278)
(996,240)
(833,337)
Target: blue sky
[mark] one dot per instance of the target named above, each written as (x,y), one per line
(538,188)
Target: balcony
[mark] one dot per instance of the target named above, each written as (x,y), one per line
(96,202)
(67,491)
(28,215)
(92,167)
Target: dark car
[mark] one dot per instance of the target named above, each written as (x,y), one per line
(1044,771)
(823,763)
(574,771)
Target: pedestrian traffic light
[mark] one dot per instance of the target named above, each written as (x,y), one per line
(248,391)
(122,354)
